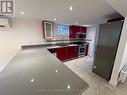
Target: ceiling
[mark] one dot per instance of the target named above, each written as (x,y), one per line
(120,6)
(85,12)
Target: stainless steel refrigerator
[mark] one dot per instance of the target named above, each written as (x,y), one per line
(106,48)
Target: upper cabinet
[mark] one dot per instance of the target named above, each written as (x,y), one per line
(75,31)
(47,29)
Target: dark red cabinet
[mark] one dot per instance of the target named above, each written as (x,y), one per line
(67,53)
(61,53)
(76,29)
(72,52)
(83,29)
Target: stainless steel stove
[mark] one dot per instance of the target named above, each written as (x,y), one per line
(82,50)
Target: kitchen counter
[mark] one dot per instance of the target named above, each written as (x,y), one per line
(49,44)
(37,72)
(58,46)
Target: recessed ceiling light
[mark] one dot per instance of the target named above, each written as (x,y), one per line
(32,80)
(56,71)
(54,19)
(68,87)
(87,25)
(71,8)
(22,13)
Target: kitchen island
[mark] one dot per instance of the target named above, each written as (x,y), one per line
(35,71)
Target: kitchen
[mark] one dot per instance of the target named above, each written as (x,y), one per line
(71,41)
(65,48)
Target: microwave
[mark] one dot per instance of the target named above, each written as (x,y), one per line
(80,35)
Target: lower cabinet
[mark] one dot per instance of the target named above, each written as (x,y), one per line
(72,52)
(67,53)
(61,53)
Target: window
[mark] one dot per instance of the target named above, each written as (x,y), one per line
(63,30)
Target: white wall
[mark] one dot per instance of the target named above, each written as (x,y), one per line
(27,31)
(91,34)
(9,47)
(121,56)
(124,59)
(22,32)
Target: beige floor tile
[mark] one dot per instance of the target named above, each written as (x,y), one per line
(97,85)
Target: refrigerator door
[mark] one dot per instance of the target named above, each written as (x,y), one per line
(107,44)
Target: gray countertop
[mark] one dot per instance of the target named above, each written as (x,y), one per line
(37,72)
(57,46)
(48,44)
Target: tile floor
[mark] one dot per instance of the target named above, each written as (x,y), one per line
(97,85)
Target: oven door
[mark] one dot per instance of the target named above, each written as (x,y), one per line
(81,51)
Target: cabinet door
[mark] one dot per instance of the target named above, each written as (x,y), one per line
(83,29)
(76,51)
(62,53)
(76,29)
(73,31)
(72,52)
(69,52)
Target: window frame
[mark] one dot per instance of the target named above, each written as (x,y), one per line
(62,26)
